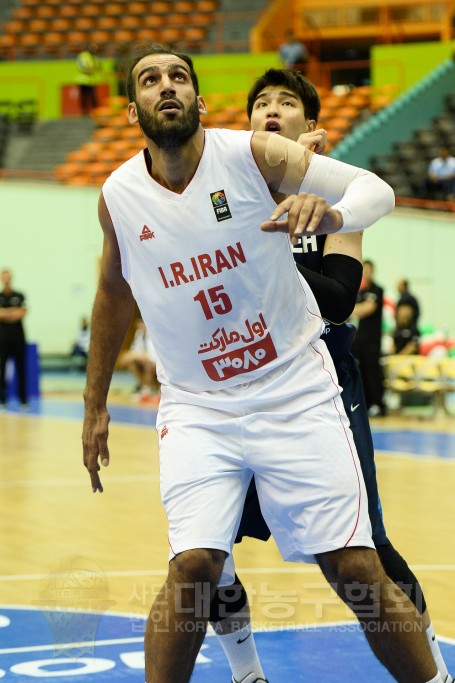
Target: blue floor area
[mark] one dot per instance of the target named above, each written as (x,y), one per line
(109,648)
(415,442)
(74,410)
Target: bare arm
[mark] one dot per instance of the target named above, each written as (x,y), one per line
(13,314)
(111,316)
(364,309)
(349,244)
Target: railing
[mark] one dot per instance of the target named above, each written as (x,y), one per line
(390,21)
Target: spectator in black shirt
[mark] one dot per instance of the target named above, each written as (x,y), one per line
(407,298)
(406,334)
(367,341)
(12,337)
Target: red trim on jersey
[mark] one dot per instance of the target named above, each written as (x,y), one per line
(349,444)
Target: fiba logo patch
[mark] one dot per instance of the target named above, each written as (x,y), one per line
(220,205)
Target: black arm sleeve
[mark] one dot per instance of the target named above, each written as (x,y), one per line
(336,286)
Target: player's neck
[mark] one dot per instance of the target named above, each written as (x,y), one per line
(175,168)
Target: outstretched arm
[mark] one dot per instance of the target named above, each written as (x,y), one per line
(335,197)
(111,316)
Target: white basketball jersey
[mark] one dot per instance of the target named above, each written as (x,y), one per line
(221,299)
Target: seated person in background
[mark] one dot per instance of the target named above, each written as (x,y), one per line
(79,352)
(293,52)
(441,174)
(140,359)
(406,334)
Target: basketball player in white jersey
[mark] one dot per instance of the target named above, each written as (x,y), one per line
(247,385)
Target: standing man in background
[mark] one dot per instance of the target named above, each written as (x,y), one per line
(367,341)
(12,337)
(89,68)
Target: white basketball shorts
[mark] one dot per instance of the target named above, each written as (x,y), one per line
(289,428)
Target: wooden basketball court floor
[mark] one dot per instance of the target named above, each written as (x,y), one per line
(112,548)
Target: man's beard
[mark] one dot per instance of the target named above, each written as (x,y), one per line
(169,135)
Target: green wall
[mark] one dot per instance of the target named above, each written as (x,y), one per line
(43,81)
(404,65)
(401,65)
(52,242)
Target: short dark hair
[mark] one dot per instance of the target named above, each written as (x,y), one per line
(141,50)
(293,80)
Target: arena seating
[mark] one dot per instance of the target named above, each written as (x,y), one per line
(406,167)
(59,29)
(114,140)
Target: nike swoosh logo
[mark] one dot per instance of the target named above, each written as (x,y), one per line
(354,407)
(242,640)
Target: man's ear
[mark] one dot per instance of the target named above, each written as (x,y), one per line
(202,107)
(311,123)
(132,113)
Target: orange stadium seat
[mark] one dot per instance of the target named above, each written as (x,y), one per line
(340,124)
(7,44)
(69,11)
(77,38)
(30,43)
(67,170)
(153,21)
(176,19)
(91,9)
(148,34)
(100,37)
(132,21)
(201,19)
(107,23)
(195,34)
(60,24)
(183,6)
(131,133)
(102,115)
(24,13)
(114,9)
(79,156)
(123,35)
(140,8)
(205,5)
(106,134)
(16,27)
(45,12)
(333,137)
(161,7)
(79,179)
(38,26)
(84,23)
(347,112)
(119,121)
(171,34)
(54,40)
